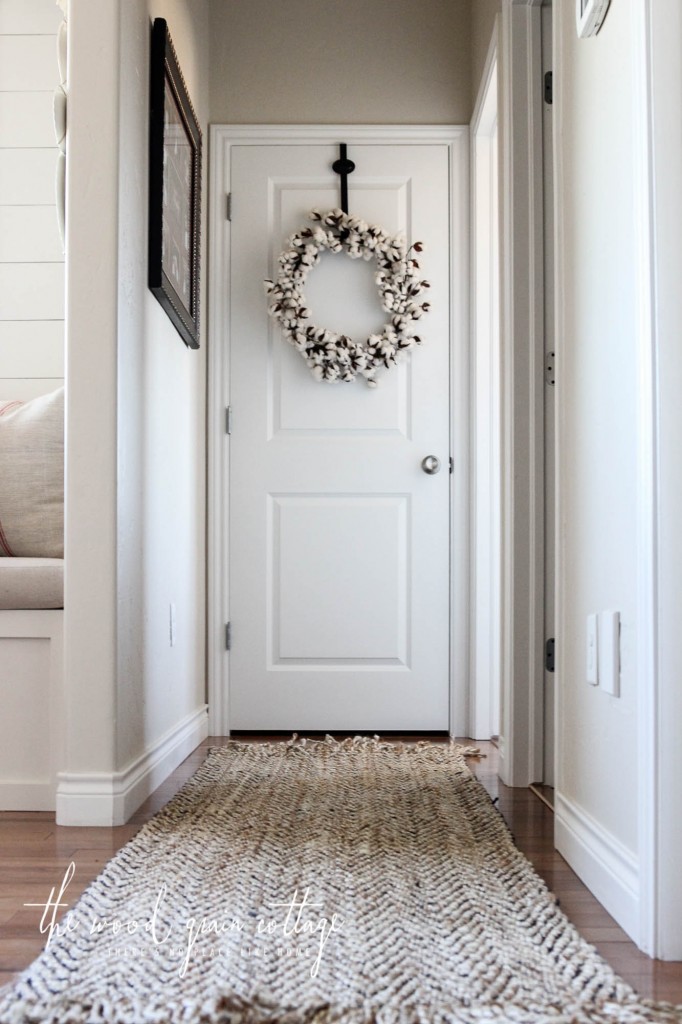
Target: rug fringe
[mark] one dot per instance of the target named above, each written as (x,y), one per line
(297,743)
(232,1009)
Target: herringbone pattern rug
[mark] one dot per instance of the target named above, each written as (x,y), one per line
(353,882)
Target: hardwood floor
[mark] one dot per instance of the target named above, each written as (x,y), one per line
(35,853)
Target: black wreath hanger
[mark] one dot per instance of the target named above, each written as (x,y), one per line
(343,167)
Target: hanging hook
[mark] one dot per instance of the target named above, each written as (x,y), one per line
(343,167)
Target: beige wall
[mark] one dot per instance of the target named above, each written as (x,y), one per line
(598,397)
(483,13)
(327,62)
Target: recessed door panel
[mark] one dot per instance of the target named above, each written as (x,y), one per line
(339,576)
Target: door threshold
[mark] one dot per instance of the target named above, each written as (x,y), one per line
(439,736)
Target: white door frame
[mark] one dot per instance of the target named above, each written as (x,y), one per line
(522,323)
(656,31)
(222,138)
(485,659)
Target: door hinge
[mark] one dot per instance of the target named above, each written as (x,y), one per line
(549,87)
(549,655)
(228,206)
(228,636)
(452,464)
(550,376)
(228,420)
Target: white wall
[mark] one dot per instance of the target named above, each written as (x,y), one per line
(597,393)
(161,417)
(135,435)
(661,40)
(356,62)
(31,258)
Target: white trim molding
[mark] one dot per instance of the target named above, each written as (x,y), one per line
(647,488)
(222,138)
(657,88)
(486,524)
(607,868)
(103,798)
(522,325)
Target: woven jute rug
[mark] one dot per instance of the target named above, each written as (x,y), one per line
(355,883)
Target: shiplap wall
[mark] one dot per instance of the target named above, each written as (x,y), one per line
(31,257)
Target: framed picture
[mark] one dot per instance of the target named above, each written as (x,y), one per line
(174,189)
(589,15)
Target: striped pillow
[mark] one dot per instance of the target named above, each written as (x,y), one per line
(32,477)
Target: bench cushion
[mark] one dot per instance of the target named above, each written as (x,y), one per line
(32,477)
(31,583)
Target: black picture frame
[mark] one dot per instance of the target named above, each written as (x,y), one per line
(174,189)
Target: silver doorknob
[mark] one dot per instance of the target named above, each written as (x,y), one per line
(431,464)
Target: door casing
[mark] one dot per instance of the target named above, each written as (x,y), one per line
(486,440)
(222,138)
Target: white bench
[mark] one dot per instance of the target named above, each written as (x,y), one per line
(31,616)
(31,673)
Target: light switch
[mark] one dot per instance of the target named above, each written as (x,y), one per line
(592,664)
(609,652)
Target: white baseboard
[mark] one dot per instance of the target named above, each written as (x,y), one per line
(106,799)
(608,869)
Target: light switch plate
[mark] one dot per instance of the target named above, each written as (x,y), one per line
(609,652)
(592,651)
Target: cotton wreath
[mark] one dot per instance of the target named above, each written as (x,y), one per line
(332,356)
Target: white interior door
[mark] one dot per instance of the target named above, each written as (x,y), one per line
(339,541)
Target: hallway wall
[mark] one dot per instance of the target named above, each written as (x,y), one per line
(135,479)
(483,14)
(161,420)
(306,62)
(597,784)
(661,338)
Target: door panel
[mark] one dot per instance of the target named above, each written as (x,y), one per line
(313,624)
(339,565)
